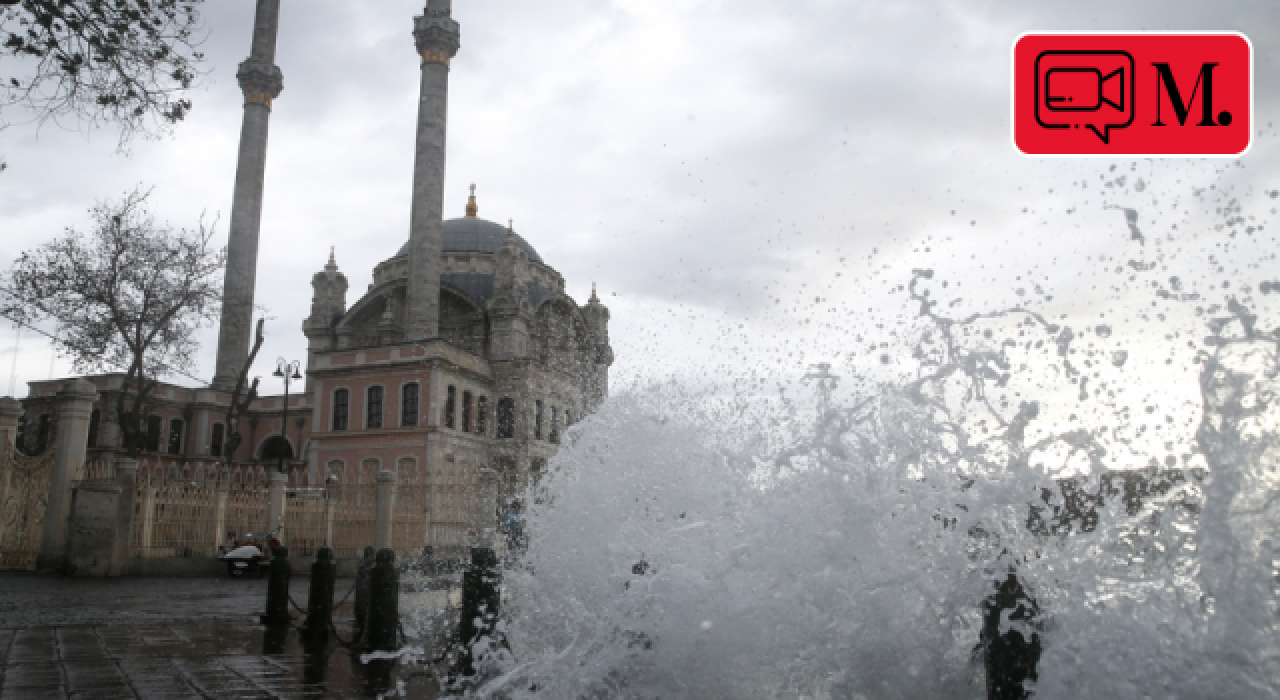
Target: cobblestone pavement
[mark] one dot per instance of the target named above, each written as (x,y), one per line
(174,638)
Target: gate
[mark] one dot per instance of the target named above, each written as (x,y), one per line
(25,488)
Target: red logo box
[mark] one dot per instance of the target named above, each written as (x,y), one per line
(1133,94)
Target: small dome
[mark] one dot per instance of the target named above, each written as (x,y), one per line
(471,235)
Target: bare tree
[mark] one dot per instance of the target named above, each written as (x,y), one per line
(130,294)
(125,61)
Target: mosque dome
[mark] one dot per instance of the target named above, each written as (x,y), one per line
(473,235)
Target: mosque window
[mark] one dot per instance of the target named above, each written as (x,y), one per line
(466,411)
(450,407)
(154,425)
(373,408)
(175,436)
(215,445)
(537,420)
(341,408)
(567,422)
(482,415)
(409,405)
(506,417)
(554,435)
(94,419)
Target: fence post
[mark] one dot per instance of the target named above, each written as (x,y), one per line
(10,411)
(382,523)
(275,502)
(75,403)
(329,510)
(220,513)
(127,481)
(148,520)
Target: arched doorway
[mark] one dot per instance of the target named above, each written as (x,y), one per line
(276,447)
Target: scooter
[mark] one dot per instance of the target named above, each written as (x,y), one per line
(247,559)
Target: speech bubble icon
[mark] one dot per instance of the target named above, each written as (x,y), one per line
(1090,89)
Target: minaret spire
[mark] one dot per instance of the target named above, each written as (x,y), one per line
(260,81)
(472,209)
(436,37)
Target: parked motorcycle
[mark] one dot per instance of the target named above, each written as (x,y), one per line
(246,559)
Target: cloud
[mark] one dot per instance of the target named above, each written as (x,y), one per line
(714,154)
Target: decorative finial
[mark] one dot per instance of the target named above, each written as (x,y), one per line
(593,292)
(511,226)
(472,209)
(331,260)
(332,264)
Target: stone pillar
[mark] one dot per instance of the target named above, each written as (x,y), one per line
(275,501)
(436,37)
(220,514)
(127,482)
(261,82)
(148,513)
(386,500)
(10,412)
(75,403)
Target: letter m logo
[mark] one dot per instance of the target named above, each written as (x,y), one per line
(1166,83)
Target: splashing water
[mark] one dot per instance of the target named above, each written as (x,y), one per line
(717,543)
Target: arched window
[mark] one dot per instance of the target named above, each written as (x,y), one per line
(482,415)
(450,400)
(94,419)
(341,408)
(466,411)
(215,444)
(506,417)
(175,436)
(373,408)
(537,420)
(409,405)
(154,425)
(567,422)
(554,436)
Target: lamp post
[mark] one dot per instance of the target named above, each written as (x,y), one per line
(288,371)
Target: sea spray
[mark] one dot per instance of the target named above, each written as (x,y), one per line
(715,540)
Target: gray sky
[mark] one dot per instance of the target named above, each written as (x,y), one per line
(714,166)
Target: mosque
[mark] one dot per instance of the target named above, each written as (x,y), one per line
(465,352)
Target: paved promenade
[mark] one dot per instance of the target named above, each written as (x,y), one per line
(174,638)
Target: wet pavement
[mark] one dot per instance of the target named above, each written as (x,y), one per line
(177,638)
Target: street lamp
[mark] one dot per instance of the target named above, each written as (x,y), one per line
(288,371)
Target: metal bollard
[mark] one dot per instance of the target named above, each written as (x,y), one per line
(320,596)
(363,573)
(278,589)
(1011,659)
(383,633)
(481,601)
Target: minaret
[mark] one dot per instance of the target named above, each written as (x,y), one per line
(261,82)
(436,36)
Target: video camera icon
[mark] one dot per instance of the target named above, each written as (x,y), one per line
(1093,89)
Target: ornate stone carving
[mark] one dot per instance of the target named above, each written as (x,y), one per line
(260,81)
(436,37)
